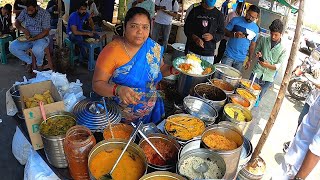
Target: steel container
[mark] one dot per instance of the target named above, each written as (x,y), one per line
(218,98)
(162,175)
(15,94)
(256,92)
(243,126)
(156,138)
(228,73)
(180,141)
(187,82)
(251,100)
(237,99)
(201,109)
(53,145)
(107,145)
(222,84)
(94,116)
(231,157)
(246,153)
(258,172)
(205,154)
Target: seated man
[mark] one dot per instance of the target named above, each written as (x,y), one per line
(75,28)
(36,30)
(6,24)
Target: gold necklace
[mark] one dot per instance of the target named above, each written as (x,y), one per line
(125,48)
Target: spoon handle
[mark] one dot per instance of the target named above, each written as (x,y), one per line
(125,148)
(149,142)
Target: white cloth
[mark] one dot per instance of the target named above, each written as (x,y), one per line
(93,9)
(307,138)
(162,17)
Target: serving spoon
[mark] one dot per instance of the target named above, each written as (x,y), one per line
(109,175)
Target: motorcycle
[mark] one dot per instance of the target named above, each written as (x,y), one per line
(300,85)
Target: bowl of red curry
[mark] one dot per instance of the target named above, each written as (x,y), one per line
(168,148)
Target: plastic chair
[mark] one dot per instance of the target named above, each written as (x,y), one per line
(72,55)
(3,42)
(91,47)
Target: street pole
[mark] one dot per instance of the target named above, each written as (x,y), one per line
(284,84)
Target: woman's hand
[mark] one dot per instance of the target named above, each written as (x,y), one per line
(127,95)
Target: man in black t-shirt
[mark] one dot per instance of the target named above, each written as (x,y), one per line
(204,27)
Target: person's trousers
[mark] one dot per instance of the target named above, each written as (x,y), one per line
(221,50)
(303,112)
(162,29)
(264,85)
(19,49)
(231,62)
(79,41)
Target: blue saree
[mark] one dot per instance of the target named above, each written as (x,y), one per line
(142,73)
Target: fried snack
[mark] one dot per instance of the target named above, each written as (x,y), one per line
(218,142)
(31,102)
(207,71)
(185,67)
(184,127)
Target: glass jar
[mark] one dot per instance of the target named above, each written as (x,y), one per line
(77,145)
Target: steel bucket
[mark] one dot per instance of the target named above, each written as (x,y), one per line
(231,157)
(228,73)
(214,95)
(204,154)
(15,94)
(244,84)
(243,126)
(112,144)
(186,82)
(53,145)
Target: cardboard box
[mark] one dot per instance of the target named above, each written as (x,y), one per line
(33,115)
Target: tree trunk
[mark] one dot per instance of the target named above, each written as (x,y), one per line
(284,84)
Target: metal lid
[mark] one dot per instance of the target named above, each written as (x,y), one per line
(200,108)
(92,114)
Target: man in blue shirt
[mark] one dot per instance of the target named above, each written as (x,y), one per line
(36,30)
(75,28)
(243,33)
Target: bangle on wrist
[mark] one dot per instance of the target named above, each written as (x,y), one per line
(114,89)
(171,71)
(234,34)
(117,90)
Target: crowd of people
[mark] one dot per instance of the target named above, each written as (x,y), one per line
(129,68)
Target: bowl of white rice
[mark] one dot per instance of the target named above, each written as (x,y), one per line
(188,164)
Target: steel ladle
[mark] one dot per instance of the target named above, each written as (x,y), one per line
(109,175)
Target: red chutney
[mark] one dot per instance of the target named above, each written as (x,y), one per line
(77,145)
(170,155)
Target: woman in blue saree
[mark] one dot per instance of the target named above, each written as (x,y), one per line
(129,68)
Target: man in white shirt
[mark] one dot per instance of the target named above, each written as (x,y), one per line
(304,151)
(166,10)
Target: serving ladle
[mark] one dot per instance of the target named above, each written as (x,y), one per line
(202,168)
(109,175)
(149,142)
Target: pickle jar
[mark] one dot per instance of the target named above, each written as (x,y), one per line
(77,145)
